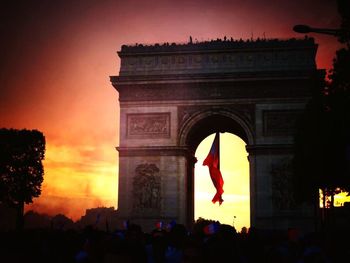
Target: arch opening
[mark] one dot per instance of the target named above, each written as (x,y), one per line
(234,166)
(237,134)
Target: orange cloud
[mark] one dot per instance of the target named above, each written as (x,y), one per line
(77,177)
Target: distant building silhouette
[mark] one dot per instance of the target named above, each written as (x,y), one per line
(103,218)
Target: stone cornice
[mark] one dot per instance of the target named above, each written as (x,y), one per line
(269,88)
(155,151)
(213,77)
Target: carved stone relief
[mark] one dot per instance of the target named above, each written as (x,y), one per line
(282,185)
(280,122)
(146,189)
(217,61)
(148,125)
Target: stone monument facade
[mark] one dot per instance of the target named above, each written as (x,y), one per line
(172,96)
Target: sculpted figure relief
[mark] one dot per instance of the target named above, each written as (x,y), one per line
(146,187)
(282,187)
(148,124)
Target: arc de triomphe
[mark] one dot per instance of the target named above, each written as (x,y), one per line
(172,96)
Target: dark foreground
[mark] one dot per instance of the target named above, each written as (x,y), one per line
(205,242)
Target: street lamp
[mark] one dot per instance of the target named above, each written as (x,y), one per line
(343,35)
(307,29)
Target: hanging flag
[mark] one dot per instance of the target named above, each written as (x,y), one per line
(211,228)
(159,225)
(213,162)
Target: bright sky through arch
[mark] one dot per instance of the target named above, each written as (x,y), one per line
(234,167)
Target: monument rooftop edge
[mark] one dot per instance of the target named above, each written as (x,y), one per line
(218,56)
(218,44)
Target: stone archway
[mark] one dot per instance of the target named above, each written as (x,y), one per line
(173,96)
(201,124)
(198,125)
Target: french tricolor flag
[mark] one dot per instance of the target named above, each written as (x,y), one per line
(213,162)
(211,228)
(159,225)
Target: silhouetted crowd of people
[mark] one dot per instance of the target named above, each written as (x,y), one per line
(207,241)
(225,43)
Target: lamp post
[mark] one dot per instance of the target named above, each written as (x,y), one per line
(328,31)
(342,34)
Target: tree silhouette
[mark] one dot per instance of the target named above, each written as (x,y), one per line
(312,148)
(338,107)
(322,142)
(21,168)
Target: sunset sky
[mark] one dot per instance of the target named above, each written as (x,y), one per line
(56,58)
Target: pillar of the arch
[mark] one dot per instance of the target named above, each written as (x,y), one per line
(271,198)
(270,158)
(154,185)
(261,160)
(154,172)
